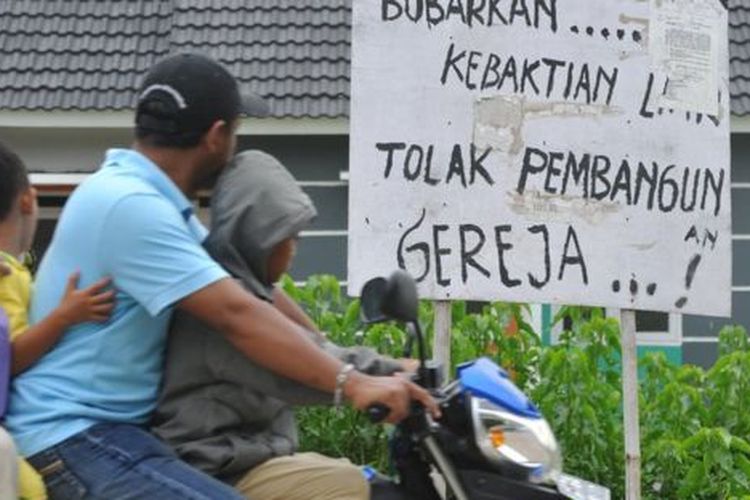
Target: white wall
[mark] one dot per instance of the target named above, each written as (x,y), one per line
(56,150)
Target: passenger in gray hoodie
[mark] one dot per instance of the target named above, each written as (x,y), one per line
(221,412)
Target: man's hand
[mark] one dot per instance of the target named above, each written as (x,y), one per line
(394,392)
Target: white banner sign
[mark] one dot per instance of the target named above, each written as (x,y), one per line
(547,151)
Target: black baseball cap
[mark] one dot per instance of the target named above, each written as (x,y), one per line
(187,93)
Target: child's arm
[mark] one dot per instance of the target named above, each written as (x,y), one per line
(77,306)
(293,311)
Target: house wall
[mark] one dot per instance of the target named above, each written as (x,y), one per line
(61,150)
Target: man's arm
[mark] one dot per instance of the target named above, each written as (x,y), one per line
(154,257)
(270,339)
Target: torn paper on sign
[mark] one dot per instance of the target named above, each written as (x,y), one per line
(684,46)
(499,120)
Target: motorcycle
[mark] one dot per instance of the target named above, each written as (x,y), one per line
(491,442)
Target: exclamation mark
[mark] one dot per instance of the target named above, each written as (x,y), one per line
(689,275)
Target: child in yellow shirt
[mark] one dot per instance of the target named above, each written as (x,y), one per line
(18,221)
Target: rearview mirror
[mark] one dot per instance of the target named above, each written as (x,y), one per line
(394,298)
(401,301)
(371,300)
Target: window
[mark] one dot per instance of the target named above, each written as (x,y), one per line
(653,328)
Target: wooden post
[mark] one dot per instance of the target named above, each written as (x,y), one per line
(441,347)
(630,406)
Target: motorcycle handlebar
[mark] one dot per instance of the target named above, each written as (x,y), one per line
(377,412)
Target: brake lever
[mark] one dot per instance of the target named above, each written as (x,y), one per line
(410,334)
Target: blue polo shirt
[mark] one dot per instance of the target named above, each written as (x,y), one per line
(130,222)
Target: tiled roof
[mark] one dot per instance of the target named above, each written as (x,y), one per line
(91,54)
(739,55)
(295,54)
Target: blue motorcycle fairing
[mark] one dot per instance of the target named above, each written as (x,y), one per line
(483,378)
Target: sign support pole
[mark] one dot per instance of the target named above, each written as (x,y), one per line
(630,406)
(441,347)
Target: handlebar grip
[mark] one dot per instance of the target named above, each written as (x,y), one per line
(377,412)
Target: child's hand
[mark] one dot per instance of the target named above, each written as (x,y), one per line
(90,304)
(4,269)
(408,365)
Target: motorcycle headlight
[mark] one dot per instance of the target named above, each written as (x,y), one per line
(522,445)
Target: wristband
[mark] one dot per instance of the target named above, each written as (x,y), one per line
(341,377)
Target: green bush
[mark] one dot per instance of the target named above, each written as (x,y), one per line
(694,423)
(579,394)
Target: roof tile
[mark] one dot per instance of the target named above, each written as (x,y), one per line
(739,56)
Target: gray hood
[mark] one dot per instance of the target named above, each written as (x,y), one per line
(246,225)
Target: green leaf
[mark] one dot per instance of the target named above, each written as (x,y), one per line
(695,480)
(740,444)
